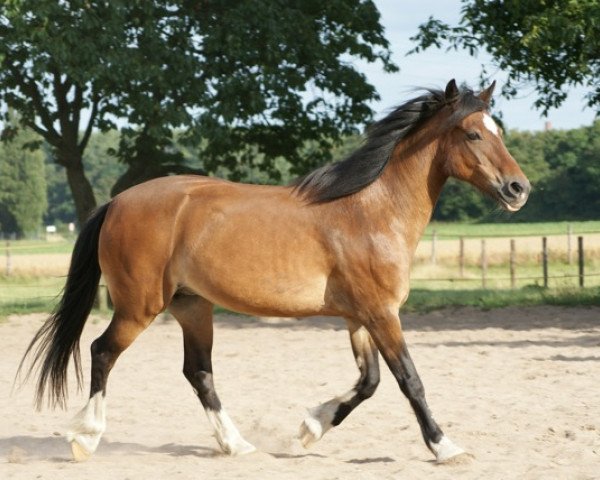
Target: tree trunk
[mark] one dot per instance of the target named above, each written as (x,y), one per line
(81,190)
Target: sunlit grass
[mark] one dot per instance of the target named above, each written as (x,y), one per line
(422,300)
(39,267)
(456,230)
(28,295)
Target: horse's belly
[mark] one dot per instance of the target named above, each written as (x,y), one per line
(267,295)
(247,278)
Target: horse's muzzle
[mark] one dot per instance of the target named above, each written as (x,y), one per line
(513,193)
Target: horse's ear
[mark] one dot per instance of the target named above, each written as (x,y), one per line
(451,92)
(486,95)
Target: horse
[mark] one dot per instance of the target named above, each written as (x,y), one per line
(336,242)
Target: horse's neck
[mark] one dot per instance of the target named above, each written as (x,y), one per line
(408,189)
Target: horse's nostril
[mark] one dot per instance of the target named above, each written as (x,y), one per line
(516,188)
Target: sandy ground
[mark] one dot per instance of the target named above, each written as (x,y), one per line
(518,388)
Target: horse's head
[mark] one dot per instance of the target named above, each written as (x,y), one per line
(475,151)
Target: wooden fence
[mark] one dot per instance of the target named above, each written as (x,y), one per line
(483,261)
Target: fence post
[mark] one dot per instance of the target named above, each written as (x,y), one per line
(483,265)
(433,242)
(545,260)
(569,247)
(581,263)
(513,254)
(8,259)
(461,256)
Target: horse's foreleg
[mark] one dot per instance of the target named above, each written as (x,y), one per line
(388,337)
(332,413)
(194,314)
(89,424)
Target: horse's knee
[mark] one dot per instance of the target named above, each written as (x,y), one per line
(368,386)
(97,347)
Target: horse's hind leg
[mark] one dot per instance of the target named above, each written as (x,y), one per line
(89,424)
(194,314)
(331,413)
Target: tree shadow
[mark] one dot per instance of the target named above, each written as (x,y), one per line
(451,319)
(508,318)
(589,340)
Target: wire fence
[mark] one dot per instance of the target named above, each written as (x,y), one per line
(454,236)
(22,290)
(456,254)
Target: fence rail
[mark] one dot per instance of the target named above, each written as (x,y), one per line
(533,277)
(454,236)
(478,271)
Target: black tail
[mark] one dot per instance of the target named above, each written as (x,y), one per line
(58,338)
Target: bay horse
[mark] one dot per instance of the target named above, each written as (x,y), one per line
(337,242)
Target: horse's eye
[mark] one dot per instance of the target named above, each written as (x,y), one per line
(473,136)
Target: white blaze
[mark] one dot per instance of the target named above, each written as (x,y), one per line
(490,124)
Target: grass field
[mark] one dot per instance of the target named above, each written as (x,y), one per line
(26,295)
(36,247)
(480,230)
(38,269)
(423,300)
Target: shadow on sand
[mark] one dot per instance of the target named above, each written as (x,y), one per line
(452,318)
(23,449)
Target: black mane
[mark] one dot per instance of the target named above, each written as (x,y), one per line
(366,164)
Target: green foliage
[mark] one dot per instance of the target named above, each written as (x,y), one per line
(101,167)
(240,78)
(553,45)
(282,78)
(461,202)
(22,186)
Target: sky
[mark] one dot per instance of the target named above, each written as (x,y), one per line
(434,68)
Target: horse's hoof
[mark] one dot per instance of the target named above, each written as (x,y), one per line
(240,447)
(446,451)
(80,454)
(311,431)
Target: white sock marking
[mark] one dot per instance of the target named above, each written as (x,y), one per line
(88,425)
(228,436)
(319,419)
(445,449)
(489,123)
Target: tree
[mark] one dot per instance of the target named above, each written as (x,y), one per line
(461,202)
(101,168)
(237,76)
(553,45)
(22,186)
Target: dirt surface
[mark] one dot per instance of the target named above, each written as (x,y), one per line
(518,388)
